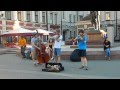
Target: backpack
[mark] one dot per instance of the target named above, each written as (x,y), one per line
(74,57)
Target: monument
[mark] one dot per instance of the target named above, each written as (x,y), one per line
(91,25)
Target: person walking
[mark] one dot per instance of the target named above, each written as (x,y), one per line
(82,39)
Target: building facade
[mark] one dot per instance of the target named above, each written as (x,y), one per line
(111,17)
(48,20)
(68,21)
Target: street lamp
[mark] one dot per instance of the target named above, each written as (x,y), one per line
(47,22)
(61,24)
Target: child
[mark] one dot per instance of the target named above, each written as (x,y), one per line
(107,46)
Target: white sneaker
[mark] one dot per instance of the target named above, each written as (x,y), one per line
(52,58)
(35,63)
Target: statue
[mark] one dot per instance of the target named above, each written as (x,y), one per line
(94,18)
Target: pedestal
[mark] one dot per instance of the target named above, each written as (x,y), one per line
(95,38)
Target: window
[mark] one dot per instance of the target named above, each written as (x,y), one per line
(80,17)
(19,15)
(28,16)
(107,15)
(43,17)
(74,18)
(70,15)
(8,15)
(51,17)
(36,16)
(55,18)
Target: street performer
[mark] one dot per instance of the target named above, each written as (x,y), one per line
(57,46)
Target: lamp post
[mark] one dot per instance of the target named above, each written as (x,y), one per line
(47,22)
(47,19)
(61,24)
(116,26)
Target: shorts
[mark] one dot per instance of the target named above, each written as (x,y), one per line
(33,53)
(57,51)
(82,53)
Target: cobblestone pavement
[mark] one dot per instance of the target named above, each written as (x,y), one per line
(13,67)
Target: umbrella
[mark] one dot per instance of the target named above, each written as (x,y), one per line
(18,32)
(44,32)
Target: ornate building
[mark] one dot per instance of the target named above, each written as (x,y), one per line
(48,20)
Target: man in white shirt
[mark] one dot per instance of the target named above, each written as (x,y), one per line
(34,42)
(57,46)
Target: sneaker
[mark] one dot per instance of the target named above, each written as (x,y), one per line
(52,58)
(105,56)
(81,67)
(85,68)
(35,63)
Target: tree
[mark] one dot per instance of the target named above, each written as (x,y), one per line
(93,15)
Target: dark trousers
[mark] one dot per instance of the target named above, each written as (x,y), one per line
(23,51)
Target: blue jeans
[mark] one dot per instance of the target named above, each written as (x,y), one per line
(57,51)
(107,52)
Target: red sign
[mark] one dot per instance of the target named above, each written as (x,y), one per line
(0,22)
(9,28)
(54,26)
(29,24)
(37,25)
(9,22)
(21,24)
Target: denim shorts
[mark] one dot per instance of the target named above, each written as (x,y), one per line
(57,51)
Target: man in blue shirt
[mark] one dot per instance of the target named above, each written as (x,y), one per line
(34,42)
(82,39)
